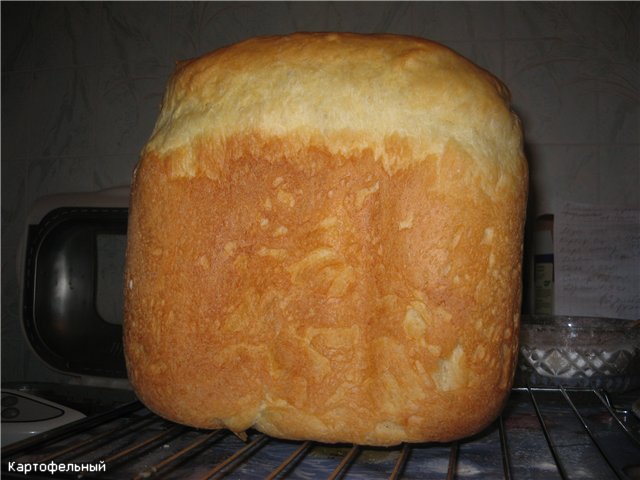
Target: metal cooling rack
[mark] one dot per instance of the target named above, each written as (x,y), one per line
(542,433)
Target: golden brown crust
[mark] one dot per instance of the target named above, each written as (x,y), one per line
(345,279)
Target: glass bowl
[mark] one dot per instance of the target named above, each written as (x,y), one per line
(579,352)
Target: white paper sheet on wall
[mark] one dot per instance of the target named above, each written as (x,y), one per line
(597,261)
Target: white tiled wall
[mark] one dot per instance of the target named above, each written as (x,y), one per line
(82,83)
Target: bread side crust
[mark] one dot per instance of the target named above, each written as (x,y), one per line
(314,294)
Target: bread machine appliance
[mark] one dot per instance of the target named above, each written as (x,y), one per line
(71,269)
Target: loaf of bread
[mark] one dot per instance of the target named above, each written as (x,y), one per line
(325,242)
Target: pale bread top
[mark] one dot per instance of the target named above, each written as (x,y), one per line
(346,91)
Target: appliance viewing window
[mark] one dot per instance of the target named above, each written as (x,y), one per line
(111,250)
(73,289)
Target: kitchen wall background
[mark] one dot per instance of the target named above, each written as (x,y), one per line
(82,85)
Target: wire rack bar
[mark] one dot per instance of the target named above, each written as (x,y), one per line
(291,459)
(547,436)
(160,465)
(247,450)
(88,444)
(172,432)
(346,461)
(453,461)
(401,462)
(609,408)
(504,447)
(588,430)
